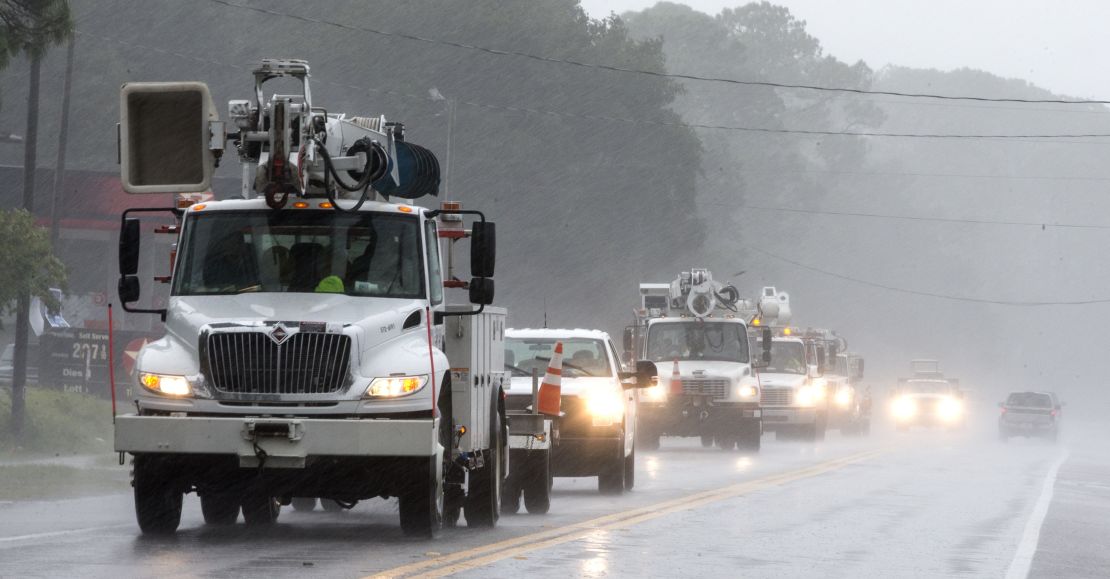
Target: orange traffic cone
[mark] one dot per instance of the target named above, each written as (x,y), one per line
(552,387)
(676,380)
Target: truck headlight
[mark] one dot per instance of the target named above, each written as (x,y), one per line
(949,409)
(747,391)
(395,386)
(656,393)
(904,408)
(806,395)
(166,385)
(605,407)
(843,398)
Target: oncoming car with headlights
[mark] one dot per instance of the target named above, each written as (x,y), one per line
(598,428)
(928,402)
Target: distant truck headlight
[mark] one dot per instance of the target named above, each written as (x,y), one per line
(806,395)
(904,408)
(949,409)
(605,407)
(656,393)
(843,398)
(395,386)
(166,385)
(747,391)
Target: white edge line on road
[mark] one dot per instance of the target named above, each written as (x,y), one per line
(1027,548)
(60,533)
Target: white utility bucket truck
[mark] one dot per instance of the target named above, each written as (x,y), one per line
(309,350)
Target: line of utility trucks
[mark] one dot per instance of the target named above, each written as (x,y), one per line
(311,351)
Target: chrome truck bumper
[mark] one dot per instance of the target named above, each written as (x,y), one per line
(280,442)
(777,416)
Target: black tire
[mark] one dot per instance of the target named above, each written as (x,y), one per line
(332,506)
(453,499)
(421,504)
(483,496)
(219,509)
(751,440)
(259,510)
(158,497)
(726,443)
(514,483)
(537,483)
(707,441)
(630,469)
(304,504)
(610,481)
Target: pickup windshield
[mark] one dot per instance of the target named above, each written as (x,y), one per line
(581,356)
(301,251)
(697,340)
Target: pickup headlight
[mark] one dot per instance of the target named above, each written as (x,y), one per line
(166,385)
(904,408)
(605,407)
(395,386)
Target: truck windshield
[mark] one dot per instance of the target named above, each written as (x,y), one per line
(581,356)
(716,341)
(928,387)
(301,251)
(786,358)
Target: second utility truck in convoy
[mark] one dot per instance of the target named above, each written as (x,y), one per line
(309,349)
(696,330)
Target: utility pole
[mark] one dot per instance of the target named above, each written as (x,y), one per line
(63,136)
(23,303)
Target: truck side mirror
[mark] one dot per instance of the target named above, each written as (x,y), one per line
(128,289)
(768,337)
(644,376)
(859,371)
(129,247)
(481,291)
(483,249)
(627,340)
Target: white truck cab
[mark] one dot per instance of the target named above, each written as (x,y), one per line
(309,350)
(695,330)
(793,395)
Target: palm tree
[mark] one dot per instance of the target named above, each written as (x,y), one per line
(29,27)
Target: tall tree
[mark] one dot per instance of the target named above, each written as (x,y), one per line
(29,27)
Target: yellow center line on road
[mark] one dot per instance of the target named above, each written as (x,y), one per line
(491,553)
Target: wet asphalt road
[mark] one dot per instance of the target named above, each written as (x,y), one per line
(922,504)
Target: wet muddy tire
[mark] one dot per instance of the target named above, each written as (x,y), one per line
(483,496)
(219,509)
(630,470)
(610,481)
(260,511)
(158,497)
(537,483)
(421,504)
(304,504)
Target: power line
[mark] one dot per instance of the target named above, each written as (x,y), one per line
(614,68)
(614,119)
(1042,225)
(949,297)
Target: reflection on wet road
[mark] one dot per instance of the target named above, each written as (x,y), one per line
(920,504)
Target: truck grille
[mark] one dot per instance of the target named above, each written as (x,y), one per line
(776,397)
(712,387)
(252,363)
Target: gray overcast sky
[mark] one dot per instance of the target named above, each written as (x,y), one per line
(1059,45)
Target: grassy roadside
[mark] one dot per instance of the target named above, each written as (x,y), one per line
(57,424)
(73,429)
(50,481)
